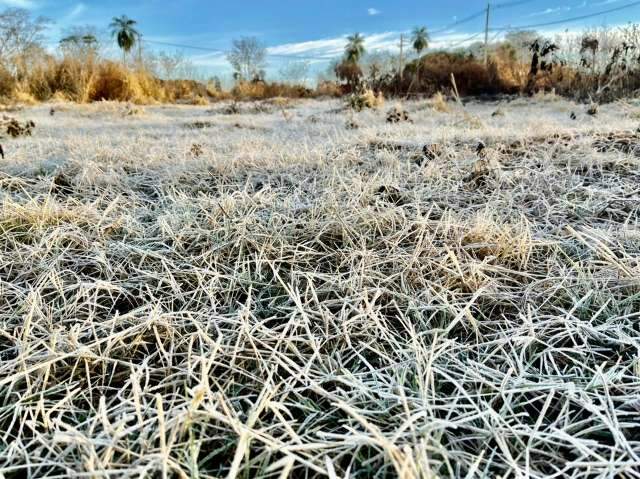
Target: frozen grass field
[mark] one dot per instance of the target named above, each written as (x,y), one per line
(299,291)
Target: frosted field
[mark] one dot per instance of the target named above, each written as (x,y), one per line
(300,291)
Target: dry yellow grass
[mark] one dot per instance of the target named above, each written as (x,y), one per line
(439,103)
(366,99)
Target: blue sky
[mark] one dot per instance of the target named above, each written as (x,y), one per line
(313,28)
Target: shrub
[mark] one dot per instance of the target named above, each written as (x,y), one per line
(7,84)
(69,76)
(261,90)
(472,78)
(439,103)
(112,81)
(365,99)
(398,115)
(329,89)
(190,91)
(351,73)
(25,98)
(198,100)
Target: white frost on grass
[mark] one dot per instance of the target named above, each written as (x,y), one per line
(195,294)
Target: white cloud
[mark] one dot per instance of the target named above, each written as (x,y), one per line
(211,60)
(76,11)
(550,11)
(334,47)
(18,3)
(373,12)
(330,48)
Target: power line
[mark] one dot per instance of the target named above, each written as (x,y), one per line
(465,40)
(486,36)
(480,14)
(459,22)
(224,52)
(190,47)
(566,20)
(448,27)
(511,4)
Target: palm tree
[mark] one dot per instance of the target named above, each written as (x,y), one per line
(420,39)
(354,50)
(123,29)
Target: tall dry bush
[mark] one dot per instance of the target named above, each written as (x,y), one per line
(261,90)
(85,80)
(7,84)
(70,77)
(328,89)
(509,67)
(471,76)
(115,82)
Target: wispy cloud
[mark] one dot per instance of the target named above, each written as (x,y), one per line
(550,11)
(329,48)
(333,47)
(211,60)
(373,12)
(69,18)
(29,4)
(76,11)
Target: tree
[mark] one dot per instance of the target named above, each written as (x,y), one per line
(295,72)
(21,37)
(475,49)
(420,42)
(81,42)
(420,39)
(379,67)
(589,43)
(522,40)
(247,58)
(354,50)
(169,65)
(350,72)
(329,74)
(124,31)
(348,69)
(216,83)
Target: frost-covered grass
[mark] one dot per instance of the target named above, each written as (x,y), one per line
(187,293)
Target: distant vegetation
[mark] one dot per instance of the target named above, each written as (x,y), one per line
(597,66)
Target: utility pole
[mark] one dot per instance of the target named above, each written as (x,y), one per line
(140,50)
(486,37)
(401,65)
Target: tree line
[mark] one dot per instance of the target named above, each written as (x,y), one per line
(595,60)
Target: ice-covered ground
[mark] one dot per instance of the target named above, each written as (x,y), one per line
(300,289)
